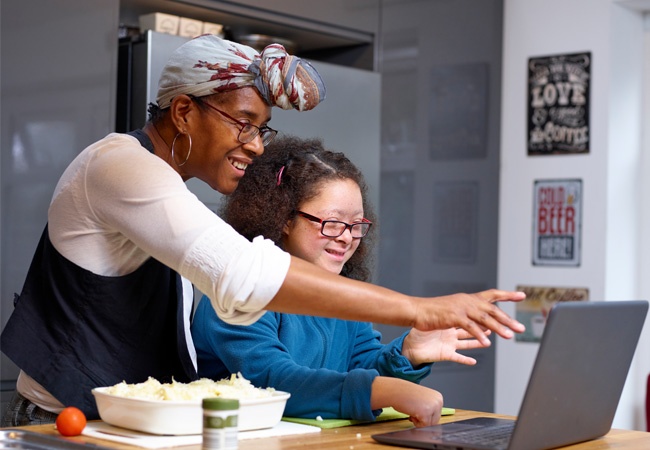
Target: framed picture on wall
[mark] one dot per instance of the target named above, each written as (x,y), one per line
(533,312)
(558,104)
(557,222)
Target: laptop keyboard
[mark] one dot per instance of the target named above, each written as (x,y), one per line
(496,436)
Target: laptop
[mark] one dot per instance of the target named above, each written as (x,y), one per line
(573,391)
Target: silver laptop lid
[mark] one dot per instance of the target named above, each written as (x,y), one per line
(579,372)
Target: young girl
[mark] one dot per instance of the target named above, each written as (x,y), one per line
(312,203)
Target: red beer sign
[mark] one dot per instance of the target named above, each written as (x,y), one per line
(556,222)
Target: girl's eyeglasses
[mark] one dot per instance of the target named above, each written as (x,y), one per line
(335,228)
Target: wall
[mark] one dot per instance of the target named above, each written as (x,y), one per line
(643,369)
(610,172)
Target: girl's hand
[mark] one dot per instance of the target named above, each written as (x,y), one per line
(421,403)
(422,347)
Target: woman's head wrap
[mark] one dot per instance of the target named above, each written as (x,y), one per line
(208,64)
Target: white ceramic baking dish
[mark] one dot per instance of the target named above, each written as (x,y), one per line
(165,417)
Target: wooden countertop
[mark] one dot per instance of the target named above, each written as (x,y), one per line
(357,437)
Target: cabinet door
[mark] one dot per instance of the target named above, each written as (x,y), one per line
(58,96)
(356,15)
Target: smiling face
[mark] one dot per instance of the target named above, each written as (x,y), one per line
(218,158)
(337,200)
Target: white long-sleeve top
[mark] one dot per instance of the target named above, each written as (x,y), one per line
(117,204)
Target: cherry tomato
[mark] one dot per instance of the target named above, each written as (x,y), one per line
(71,421)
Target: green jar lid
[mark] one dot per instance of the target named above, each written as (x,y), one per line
(220,404)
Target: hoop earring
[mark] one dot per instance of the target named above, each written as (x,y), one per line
(188,151)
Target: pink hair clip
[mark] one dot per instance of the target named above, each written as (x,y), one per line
(280,172)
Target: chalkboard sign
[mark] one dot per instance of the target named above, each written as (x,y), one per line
(558,104)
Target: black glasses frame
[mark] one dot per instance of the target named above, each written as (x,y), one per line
(247,131)
(367,224)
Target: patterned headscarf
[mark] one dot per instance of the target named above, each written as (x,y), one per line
(208,64)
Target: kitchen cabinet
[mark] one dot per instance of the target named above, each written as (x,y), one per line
(342,33)
(361,15)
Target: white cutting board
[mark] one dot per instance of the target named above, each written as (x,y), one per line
(102,430)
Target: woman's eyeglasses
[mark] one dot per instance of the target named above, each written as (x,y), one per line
(335,228)
(247,131)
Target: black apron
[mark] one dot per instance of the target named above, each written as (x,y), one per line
(72,330)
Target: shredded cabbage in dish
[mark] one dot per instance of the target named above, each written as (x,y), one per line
(235,387)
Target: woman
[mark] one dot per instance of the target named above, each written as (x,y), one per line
(108,296)
(332,368)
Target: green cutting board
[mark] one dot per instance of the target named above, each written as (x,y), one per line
(386,414)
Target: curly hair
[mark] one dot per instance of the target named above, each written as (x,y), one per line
(290,172)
